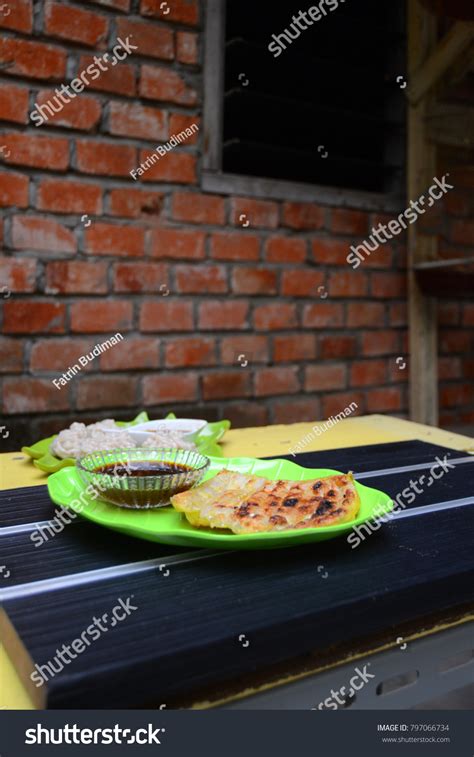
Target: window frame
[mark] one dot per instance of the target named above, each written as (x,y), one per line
(213,179)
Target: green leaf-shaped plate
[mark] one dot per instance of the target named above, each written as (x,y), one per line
(168,526)
(206,442)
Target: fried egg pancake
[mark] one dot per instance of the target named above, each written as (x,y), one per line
(250,504)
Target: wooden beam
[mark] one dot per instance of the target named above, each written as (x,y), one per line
(450,125)
(431,69)
(423,343)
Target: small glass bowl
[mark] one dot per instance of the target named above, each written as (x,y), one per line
(140,491)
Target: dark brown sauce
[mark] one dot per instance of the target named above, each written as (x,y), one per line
(143,468)
(136,496)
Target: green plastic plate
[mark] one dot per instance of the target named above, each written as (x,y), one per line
(168,526)
(206,442)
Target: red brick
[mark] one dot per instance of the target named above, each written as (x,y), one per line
(166,316)
(225,385)
(368,372)
(119,79)
(380,343)
(50,355)
(296,411)
(178,167)
(180,122)
(323,314)
(136,203)
(365,314)
(34,60)
(75,24)
(348,284)
(187,47)
(184,11)
(457,395)
(324,376)
(300,215)
(462,232)
(191,351)
(166,85)
(205,278)
(141,277)
(276,380)
(14,190)
(301,282)
(18,274)
(11,350)
(384,400)
(180,245)
(30,395)
(193,207)
(398,314)
(20,16)
(253,348)
(247,414)
(169,387)
(333,404)
(468,315)
(42,234)
(285,250)
(449,368)
(254,281)
(449,313)
(34,317)
(353,222)
(75,277)
(294,348)
(104,158)
(132,354)
(457,203)
(13,103)
(235,246)
(274,317)
(95,316)
(36,152)
(468,367)
(454,341)
(106,391)
(110,239)
(217,315)
(69,197)
(337,346)
(258,213)
(83,112)
(388,285)
(135,120)
(153,41)
(330,251)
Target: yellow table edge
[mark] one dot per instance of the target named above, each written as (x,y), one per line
(17,470)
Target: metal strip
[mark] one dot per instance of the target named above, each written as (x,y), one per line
(450,503)
(100,574)
(418,466)
(25,527)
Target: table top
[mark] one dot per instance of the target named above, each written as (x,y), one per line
(86,563)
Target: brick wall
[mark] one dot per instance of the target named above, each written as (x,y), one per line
(89,252)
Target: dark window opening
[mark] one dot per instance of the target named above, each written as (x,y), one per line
(328,110)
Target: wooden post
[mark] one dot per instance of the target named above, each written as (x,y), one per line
(421,170)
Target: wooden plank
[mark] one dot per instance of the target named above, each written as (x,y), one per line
(452,125)
(440,59)
(423,390)
(213,84)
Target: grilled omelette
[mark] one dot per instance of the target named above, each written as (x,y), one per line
(248,504)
